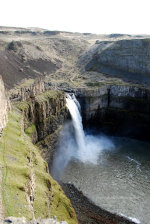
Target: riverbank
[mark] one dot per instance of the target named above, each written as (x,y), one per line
(87,212)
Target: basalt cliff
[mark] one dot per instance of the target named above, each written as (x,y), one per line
(109,75)
(4,106)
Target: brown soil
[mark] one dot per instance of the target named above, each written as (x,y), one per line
(13,69)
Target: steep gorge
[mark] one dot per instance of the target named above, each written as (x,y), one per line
(27,189)
(44,114)
(115,106)
(110,108)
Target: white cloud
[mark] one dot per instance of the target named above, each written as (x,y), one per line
(97,16)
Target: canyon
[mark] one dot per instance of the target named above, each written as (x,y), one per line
(108,74)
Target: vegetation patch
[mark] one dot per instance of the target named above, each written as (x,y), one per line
(30,130)
(15,156)
(47,95)
(23,105)
(61,206)
(94,84)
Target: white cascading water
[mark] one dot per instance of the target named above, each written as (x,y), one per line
(81,159)
(89,147)
(74,106)
(77,145)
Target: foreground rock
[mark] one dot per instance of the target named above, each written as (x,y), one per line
(22,220)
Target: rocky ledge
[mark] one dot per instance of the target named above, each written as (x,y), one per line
(128,59)
(117,109)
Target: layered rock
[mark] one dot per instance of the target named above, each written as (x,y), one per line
(117,110)
(126,58)
(31,91)
(127,55)
(43,117)
(4,105)
(46,112)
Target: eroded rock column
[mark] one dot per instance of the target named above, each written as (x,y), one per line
(4,106)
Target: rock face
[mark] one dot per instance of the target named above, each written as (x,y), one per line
(33,192)
(46,113)
(4,105)
(43,117)
(117,110)
(127,55)
(123,57)
(31,91)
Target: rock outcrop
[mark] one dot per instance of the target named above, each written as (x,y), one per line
(44,115)
(127,58)
(25,93)
(127,55)
(4,105)
(47,111)
(28,190)
(117,110)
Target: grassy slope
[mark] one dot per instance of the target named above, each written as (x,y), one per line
(15,147)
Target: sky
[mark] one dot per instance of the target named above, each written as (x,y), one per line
(92,16)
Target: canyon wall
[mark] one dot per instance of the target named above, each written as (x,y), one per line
(4,105)
(117,110)
(125,55)
(27,189)
(32,90)
(38,114)
(44,116)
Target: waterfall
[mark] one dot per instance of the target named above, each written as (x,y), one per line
(75,145)
(74,107)
(89,147)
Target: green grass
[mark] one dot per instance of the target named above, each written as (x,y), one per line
(23,105)
(94,84)
(27,83)
(13,156)
(99,84)
(15,148)
(30,130)
(47,95)
(61,206)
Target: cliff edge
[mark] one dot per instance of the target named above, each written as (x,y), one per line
(4,105)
